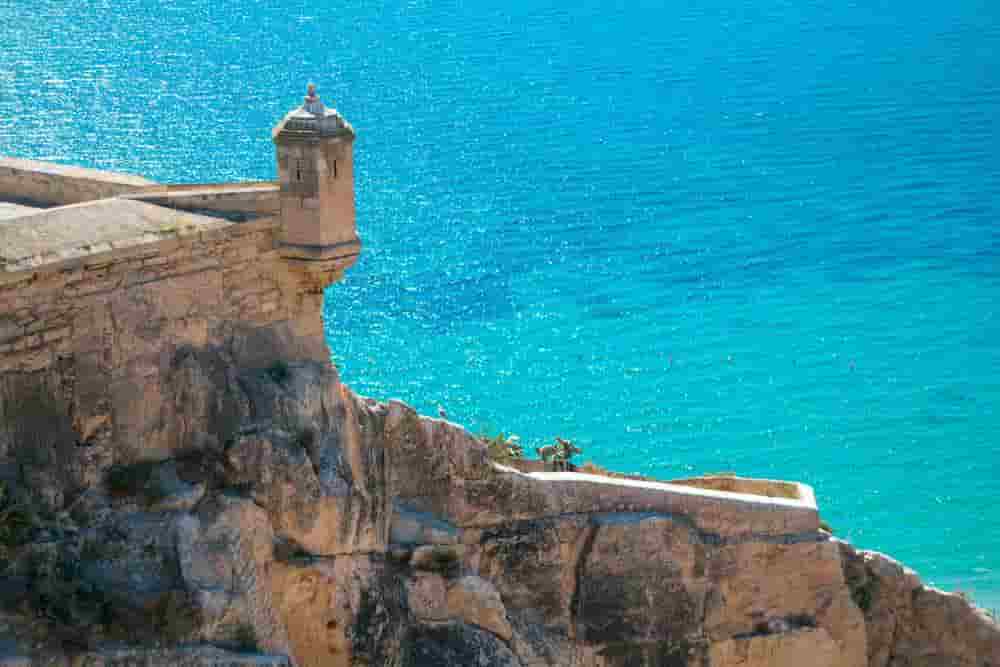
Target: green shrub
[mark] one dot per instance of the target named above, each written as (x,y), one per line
(15,522)
(441,558)
(245,638)
(128,479)
(559,454)
(503,448)
(60,595)
(35,423)
(176,617)
(863,595)
(278,372)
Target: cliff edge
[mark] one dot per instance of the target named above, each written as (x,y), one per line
(330,529)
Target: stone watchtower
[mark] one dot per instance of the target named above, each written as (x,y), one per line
(316,174)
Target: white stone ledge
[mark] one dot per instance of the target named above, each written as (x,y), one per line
(806,499)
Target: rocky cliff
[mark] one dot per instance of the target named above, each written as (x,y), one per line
(301,524)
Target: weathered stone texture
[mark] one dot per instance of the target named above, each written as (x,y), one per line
(456,645)
(912,625)
(307,531)
(195,656)
(797,647)
(57,185)
(115,331)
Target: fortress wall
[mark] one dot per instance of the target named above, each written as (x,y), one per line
(718,515)
(43,311)
(771,488)
(256,199)
(56,185)
(108,328)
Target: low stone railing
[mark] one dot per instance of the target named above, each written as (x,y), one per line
(50,184)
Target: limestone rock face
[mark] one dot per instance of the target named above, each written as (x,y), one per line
(207,656)
(278,518)
(476,602)
(456,645)
(911,625)
(811,647)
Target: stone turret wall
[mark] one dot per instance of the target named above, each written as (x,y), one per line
(57,185)
(44,312)
(107,328)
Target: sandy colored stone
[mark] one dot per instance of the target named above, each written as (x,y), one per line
(437,557)
(475,601)
(911,625)
(65,233)
(428,597)
(800,647)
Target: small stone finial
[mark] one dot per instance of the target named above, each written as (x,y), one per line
(312,103)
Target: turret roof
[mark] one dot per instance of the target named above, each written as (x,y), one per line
(312,119)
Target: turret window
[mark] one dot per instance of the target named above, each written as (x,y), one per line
(335,169)
(298,170)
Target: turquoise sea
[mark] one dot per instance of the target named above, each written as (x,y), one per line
(759,236)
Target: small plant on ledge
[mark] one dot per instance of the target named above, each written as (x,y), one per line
(559,454)
(503,448)
(15,522)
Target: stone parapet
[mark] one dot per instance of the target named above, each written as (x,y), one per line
(233,200)
(56,237)
(715,515)
(771,488)
(57,185)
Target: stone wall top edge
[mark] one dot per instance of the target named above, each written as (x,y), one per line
(80,261)
(225,199)
(132,247)
(192,189)
(121,251)
(761,480)
(806,500)
(87,229)
(72,172)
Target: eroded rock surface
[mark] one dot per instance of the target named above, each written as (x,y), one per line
(289,521)
(912,625)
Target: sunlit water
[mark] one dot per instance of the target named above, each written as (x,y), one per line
(745,235)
